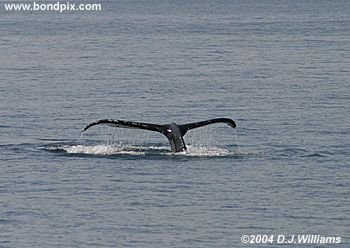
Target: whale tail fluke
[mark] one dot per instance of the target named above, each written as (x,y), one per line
(173,132)
(186,127)
(126,124)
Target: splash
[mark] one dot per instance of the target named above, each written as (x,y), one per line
(113,149)
(205,151)
(102,150)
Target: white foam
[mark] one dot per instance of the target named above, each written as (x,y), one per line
(114,149)
(102,150)
(206,151)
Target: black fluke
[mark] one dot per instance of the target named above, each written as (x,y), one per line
(172,131)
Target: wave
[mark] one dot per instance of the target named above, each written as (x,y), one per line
(113,149)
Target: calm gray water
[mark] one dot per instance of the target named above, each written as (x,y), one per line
(280,69)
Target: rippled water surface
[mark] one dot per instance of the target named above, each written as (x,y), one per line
(280,69)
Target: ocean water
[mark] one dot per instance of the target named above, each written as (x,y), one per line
(280,69)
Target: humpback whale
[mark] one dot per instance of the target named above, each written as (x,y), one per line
(172,131)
